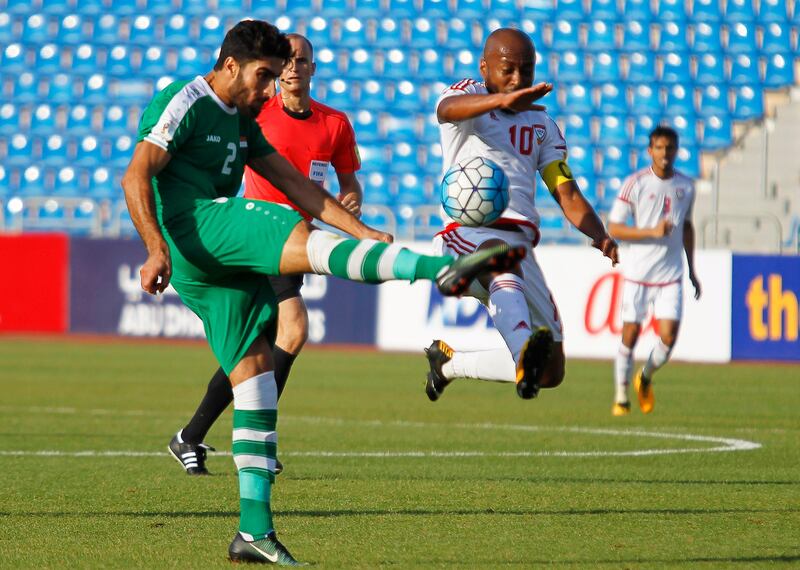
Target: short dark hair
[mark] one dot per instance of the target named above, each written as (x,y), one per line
(253,39)
(664,131)
(305,39)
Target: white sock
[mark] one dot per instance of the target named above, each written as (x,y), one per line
(490,365)
(623,365)
(509,311)
(658,358)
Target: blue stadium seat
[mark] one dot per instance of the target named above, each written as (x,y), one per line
(604,10)
(72,30)
(643,159)
(6,186)
(48,59)
(637,10)
(35,30)
(643,125)
(671,10)
(56,151)
(376,188)
(685,126)
(92,7)
(211,32)
(401,128)
(366,126)
(570,9)
(411,190)
(688,160)
(401,8)
(177,31)
(143,31)
(102,184)
(84,59)
(776,38)
(741,38)
(339,94)
(465,64)
(95,89)
(779,71)
(707,37)
(641,67)
(353,33)
(106,30)
(539,10)
(605,66)
(67,182)
(636,35)
(672,37)
(374,96)
(25,88)
(551,224)
(430,129)
(714,101)
(587,182)
(675,68)
(459,34)
(21,6)
(710,68)
(266,9)
(503,9)
(615,160)
(389,33)
(32,182)
(407,97)
(60,88)
(436,9)
(600,35)
(195,7)
(706,11)
(577,129)
(404,158)
(9,118)
(191,62)
(121,151)
(611,98)
(570,66)
(577,98)
(154,62)
(115,120)
(565,35)
(469,9)
(739,11)
(360,64)
(423,34)
(433,160)
(774,11)
(748,102)
(320,32)
(679,100)
(613,130)
(744,70)
(397,64)
(332,8)
(13,59)
(57,7)
(717,132)
(127,8)
(373,157)
(118,61)
(7,32)
(326,63)
(367,8)
(89,151)
(234,7)
(43,119)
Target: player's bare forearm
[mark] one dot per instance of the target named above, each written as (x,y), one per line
(462,107)
(629,233)
(351,196)
(581,215)
(688,244)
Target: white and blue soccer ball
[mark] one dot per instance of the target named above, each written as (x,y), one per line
(474,192)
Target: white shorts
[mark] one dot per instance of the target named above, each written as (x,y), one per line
(541,305)
(667,301)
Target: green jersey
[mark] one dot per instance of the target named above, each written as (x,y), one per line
(209,143)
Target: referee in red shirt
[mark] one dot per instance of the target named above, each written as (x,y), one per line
(312,137)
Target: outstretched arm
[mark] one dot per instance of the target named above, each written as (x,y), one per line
(311,197)
(463,107)
(148,160)
(581,215)
(350,194)
(688,247)
(625,232)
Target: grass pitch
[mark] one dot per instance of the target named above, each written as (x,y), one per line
(378,476)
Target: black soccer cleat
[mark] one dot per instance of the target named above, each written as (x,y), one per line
(532,362)
(437,353)
(278,467)
(192,457)
(268,550)
(455,279)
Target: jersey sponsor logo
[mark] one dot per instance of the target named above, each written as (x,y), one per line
(465,312)
(213,138)
(602,311)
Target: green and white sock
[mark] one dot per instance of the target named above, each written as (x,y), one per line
(369,260)
(255,416)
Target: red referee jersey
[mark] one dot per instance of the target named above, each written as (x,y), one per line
(311,142)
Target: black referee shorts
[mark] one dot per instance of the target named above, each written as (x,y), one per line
(286,286)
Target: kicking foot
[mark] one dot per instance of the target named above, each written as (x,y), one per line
(644,390)
(621,409)
(455,279)
(192,457)
(268,550)
(438,353)
(532,362)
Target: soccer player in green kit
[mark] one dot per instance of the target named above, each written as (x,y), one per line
(195,138)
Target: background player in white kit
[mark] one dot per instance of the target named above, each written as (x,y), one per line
(659,199)
(497,119)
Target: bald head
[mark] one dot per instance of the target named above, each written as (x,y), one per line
(508,61)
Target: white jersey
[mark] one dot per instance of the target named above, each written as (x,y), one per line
(649,199)
(521,143)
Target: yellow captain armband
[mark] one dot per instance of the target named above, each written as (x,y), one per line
(556,173)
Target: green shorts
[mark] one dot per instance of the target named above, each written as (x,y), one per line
(222,253)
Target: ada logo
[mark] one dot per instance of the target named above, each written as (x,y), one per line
(452,312)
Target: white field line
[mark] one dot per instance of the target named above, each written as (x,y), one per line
(722,444)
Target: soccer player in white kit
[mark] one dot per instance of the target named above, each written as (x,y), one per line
(659,199)
(498,120)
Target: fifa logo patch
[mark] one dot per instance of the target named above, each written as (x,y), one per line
(540,133)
